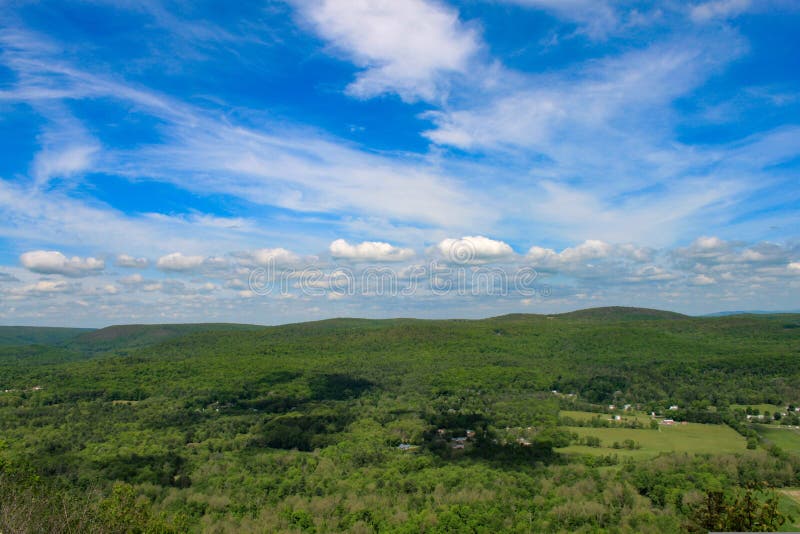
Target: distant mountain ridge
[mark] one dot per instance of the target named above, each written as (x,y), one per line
(135,336)
(38,335)
(140,335)
(750,312)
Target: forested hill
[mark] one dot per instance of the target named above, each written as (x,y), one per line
(140,335)
(520,423)
(38,335)
(622,313)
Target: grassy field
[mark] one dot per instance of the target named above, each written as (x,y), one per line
(789,505)
(785,438)
(689,438)
(587,416)
(771,408)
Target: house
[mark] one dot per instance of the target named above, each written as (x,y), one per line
(674,407)
(617,418)
(459,440)
(404,446)
(611,407)
(470,434)
(667,422)
(524,442)
(626,407)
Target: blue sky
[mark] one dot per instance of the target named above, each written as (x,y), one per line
(629,153)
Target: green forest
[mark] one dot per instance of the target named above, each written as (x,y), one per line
(603,420)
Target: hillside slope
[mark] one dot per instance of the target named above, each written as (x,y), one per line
(38,335)
(359,425)
(621,313)
(141,335)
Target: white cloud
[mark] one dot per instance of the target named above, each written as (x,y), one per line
(706,243)
(703,280)
(651,273)
(6,277)
(718,9)
(713,252)
(124,260)
(277,164)
(54,262)
(474,249)
(132,280)
(794,267)
(178,262)
(235,283)
(268,256)
(111,289)
(579,103)
(63,162)
(589,250)
(44,287)
(369,251)
(406,47)
(596,18)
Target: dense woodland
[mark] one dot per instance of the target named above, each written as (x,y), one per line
(396,425)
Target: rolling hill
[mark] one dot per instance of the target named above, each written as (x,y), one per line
(38,335)
(399,425)
(140,335)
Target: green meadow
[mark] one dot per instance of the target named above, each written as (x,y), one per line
(787,439)
(625,416)
(789,505)
(691,438)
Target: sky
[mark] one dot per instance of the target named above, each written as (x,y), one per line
(278,161)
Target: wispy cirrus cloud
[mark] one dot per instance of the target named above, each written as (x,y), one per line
(603,145)
(595,18)
(718,9)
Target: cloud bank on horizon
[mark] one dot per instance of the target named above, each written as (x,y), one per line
(157,154)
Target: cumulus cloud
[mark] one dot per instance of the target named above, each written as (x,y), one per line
(44,287)
(703,280)
(474,249)
(124,260)
(651,273)
(5,277)
(132,280)
(54,262)
(235,283)
(794,267)
(178,262)
(369,251)
(268,256)
(405,47)
(713,252)
(589,250)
